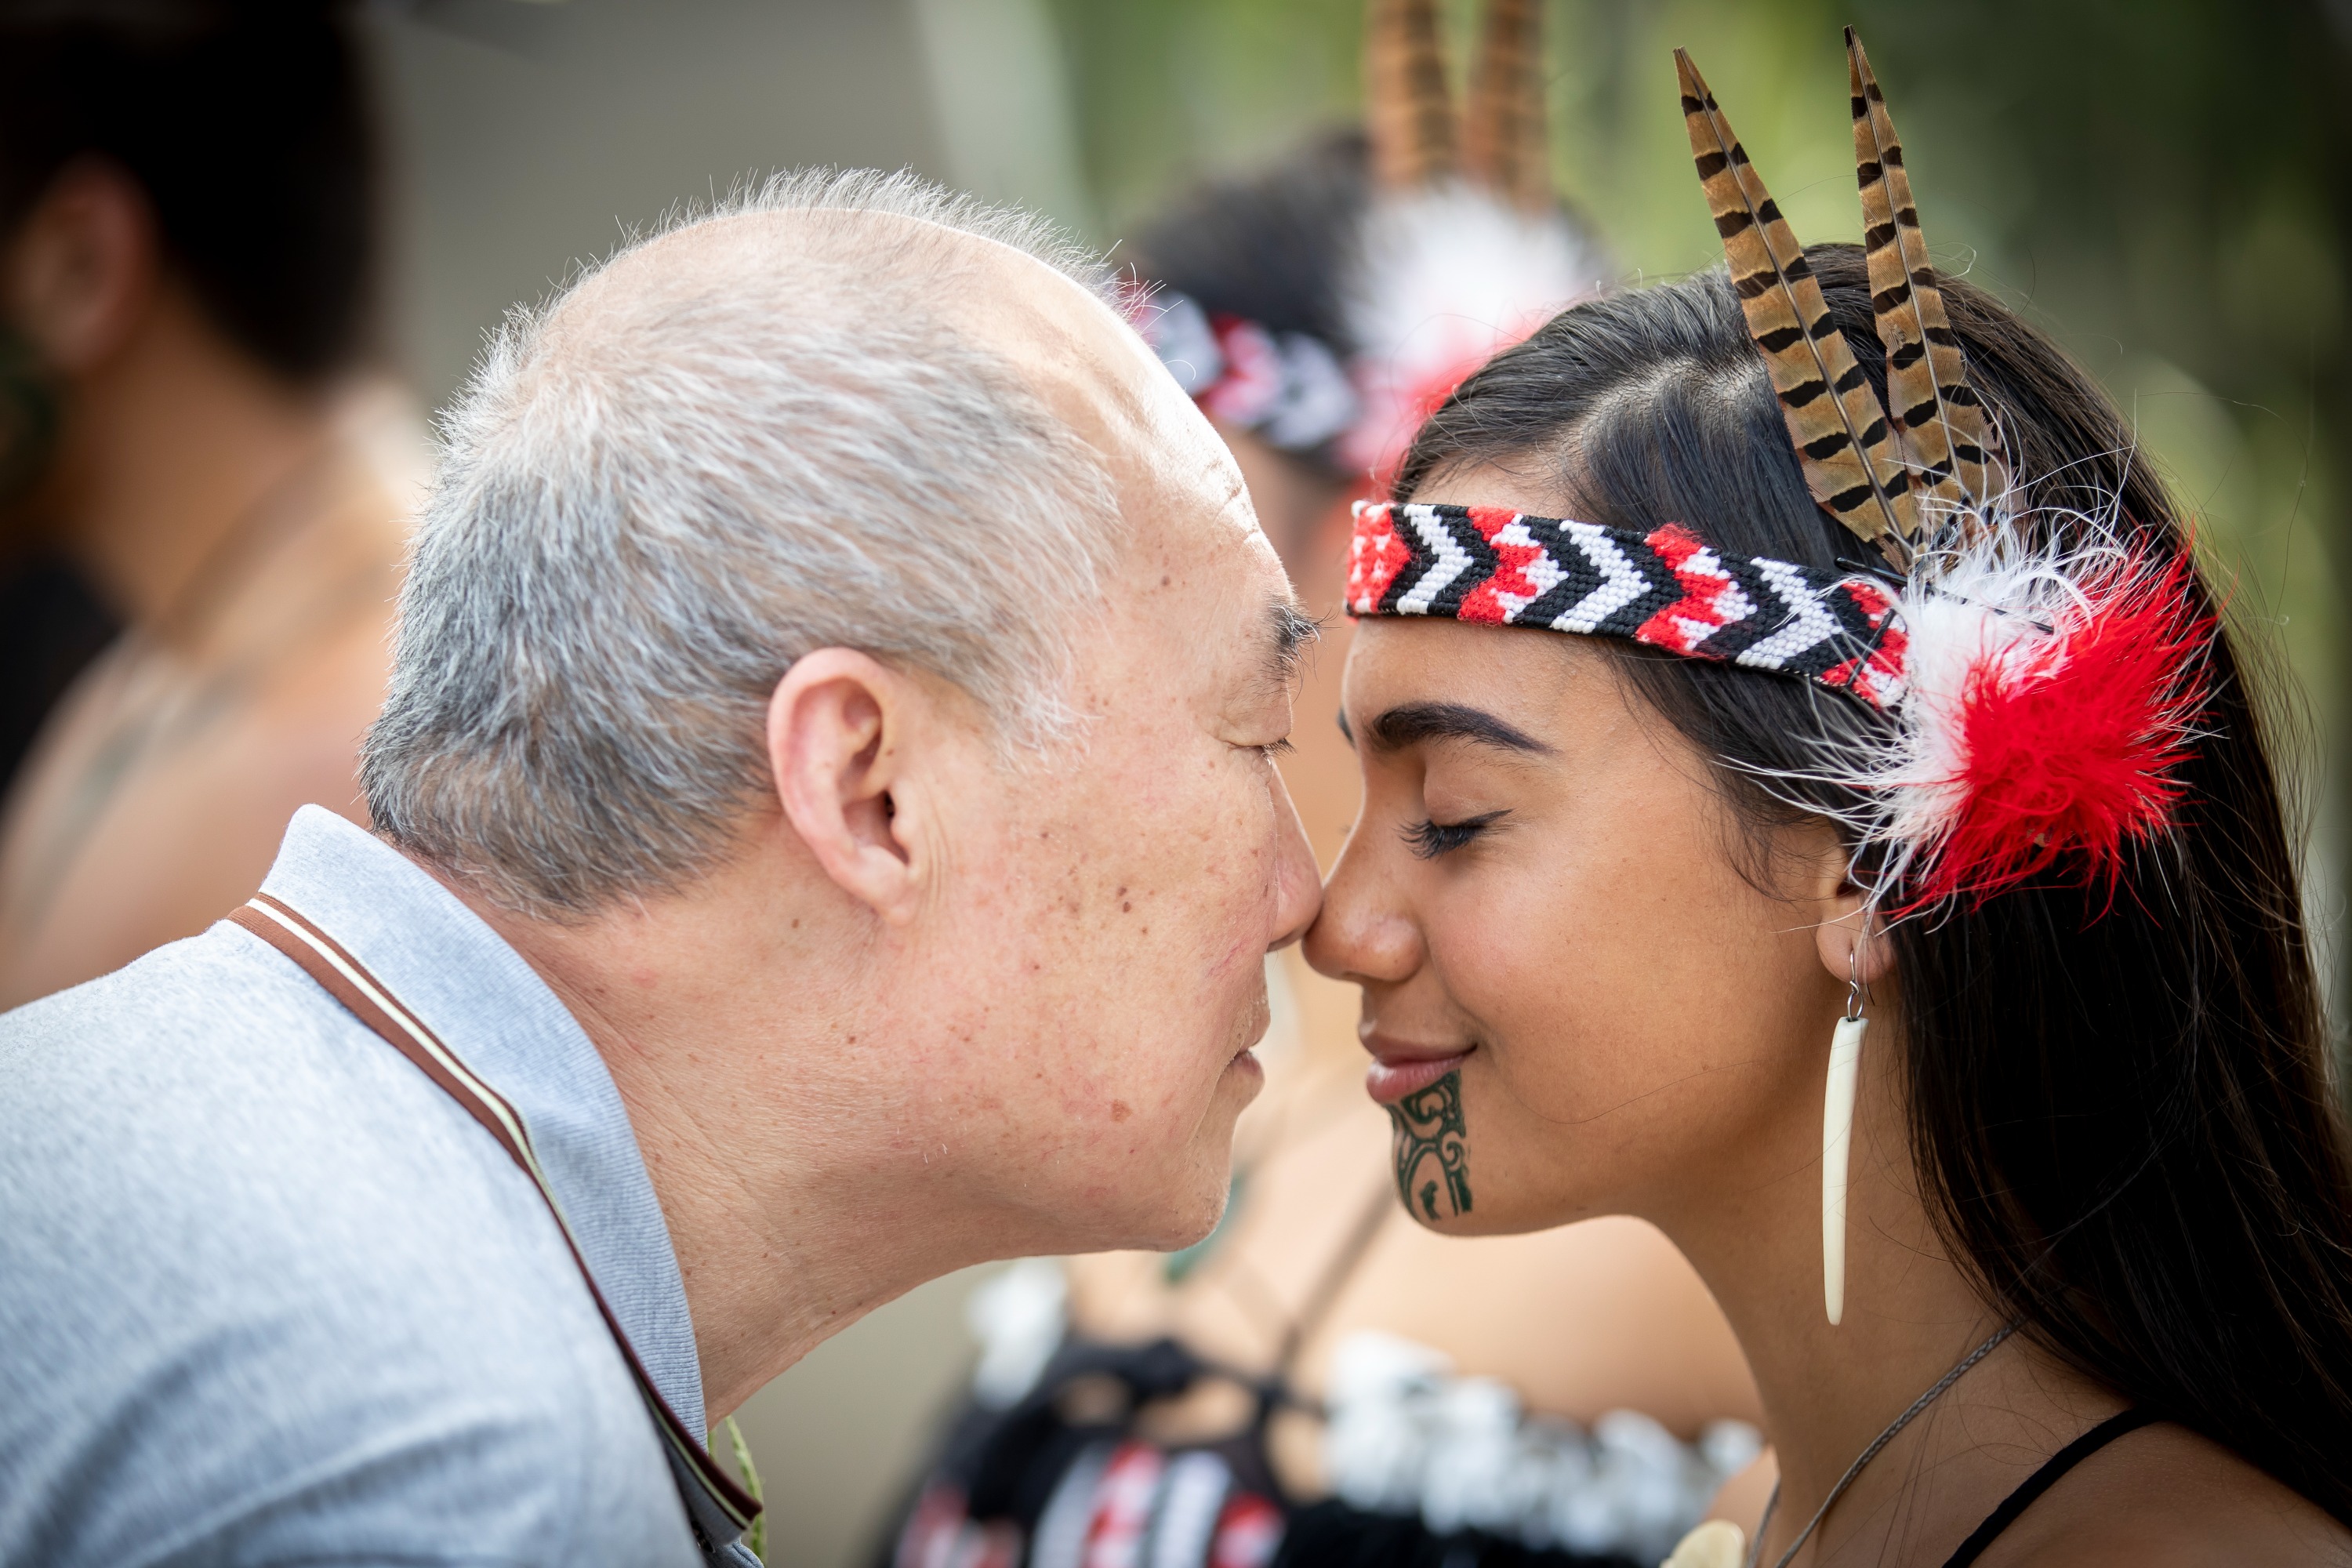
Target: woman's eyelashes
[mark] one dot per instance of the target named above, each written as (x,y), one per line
(1430,839)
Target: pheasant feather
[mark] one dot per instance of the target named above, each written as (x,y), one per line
(1409,112)
(1937,419)
(1841,436)
(1502,143)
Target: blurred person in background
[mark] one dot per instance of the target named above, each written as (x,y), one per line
(1573,1395)
(188,233)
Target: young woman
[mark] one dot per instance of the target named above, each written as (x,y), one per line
(1893,900)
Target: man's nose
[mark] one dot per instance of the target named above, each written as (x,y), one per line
(1297,885)
(1358,934)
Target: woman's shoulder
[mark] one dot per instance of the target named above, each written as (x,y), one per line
(2166,1496)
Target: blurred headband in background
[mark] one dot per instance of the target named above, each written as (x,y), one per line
(1463,249)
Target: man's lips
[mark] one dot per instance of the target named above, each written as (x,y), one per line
(1398,1069)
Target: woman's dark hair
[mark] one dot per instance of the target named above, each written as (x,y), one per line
(1273,247)
(1276,248)
(248,127)
(2120,1106)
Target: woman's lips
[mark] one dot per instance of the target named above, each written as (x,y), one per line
(1398,1069)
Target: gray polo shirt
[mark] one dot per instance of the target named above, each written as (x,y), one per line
(268,1295)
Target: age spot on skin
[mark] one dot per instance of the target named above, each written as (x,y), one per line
(1120,1110)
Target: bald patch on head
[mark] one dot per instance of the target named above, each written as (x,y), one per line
(866,247)
(1059,339)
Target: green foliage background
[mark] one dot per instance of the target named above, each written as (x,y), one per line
(2165,186)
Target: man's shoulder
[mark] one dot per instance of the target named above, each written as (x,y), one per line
(213,1089)
(222,989)
(248,1253)
(208,1126)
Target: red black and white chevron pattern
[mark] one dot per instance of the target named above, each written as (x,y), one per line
(1668,588)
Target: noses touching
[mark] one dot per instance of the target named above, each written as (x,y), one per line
(1367,934)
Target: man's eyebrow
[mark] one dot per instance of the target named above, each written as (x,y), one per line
(1290,632)
(1413,722)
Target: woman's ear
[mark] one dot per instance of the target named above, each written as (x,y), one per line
(838,724)
(1852,941)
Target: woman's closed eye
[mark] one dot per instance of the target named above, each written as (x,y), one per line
(1430,839)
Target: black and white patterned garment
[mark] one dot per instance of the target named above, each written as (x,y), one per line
(1428,1469)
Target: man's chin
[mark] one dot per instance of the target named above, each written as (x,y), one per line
(1180,1231)
(1207,1184)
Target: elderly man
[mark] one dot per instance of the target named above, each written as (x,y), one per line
(825,835)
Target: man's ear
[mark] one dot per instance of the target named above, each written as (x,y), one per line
(84,266)
(838,723)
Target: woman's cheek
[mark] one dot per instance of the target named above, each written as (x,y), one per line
(1512,966)
(1568,1041)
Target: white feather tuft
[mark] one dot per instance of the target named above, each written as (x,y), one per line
(1983,610)
(1447,277)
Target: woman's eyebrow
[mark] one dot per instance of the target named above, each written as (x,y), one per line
(1411,724)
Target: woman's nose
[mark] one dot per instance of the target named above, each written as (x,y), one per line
(1365,932)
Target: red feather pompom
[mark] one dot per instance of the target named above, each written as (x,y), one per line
(2067,753)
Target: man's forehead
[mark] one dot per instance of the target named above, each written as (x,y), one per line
(1220,595)
(1098,375)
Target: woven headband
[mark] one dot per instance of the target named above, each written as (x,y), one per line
(1666,588)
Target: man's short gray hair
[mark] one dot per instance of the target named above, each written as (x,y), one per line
(652,502)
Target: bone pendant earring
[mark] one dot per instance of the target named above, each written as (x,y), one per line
(1837,1137)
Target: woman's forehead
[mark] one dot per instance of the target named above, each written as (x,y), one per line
(1541,683)
(1528,484)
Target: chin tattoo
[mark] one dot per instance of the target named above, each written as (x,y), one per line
(1432,1151)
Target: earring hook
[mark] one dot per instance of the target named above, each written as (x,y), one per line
(1854,982)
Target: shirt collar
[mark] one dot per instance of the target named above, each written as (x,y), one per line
(477,994)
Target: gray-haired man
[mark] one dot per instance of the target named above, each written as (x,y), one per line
(826,835)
